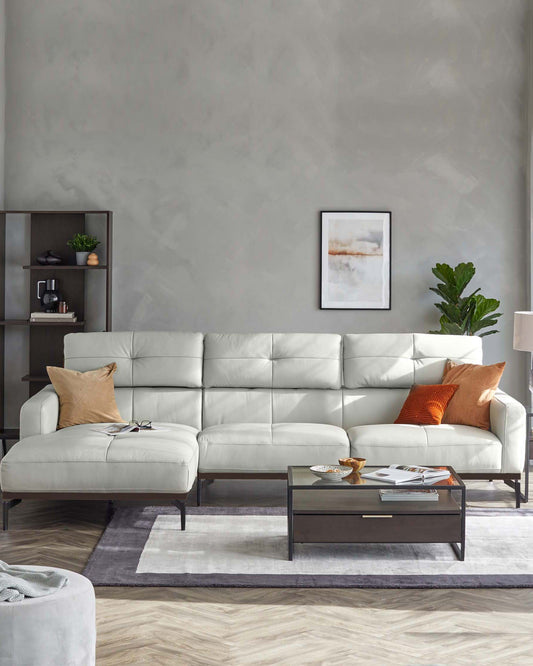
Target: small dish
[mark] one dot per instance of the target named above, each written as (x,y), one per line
(356,464)
(331,473)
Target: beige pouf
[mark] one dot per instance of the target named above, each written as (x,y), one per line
(56,630)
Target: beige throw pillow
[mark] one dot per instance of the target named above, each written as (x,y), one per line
(470,404)
(85,397)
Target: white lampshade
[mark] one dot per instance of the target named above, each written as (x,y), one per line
(523,331)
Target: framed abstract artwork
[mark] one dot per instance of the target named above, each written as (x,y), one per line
(356,260)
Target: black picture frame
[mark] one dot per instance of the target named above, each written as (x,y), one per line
(379,217)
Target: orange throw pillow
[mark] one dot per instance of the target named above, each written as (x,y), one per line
(426,403)
(477,386)
(85,397)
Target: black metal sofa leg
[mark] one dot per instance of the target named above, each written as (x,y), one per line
(515,485)
(181,507)
(110,510)
(6,505)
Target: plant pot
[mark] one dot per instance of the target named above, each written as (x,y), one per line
(81,258)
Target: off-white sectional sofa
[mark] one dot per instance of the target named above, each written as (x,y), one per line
(236,405)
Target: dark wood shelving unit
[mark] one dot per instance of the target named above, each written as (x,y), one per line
(51,230)
(7,434)
(64,267)
(27,322)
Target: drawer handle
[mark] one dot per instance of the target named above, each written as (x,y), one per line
(380,515)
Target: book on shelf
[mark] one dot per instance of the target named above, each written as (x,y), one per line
(48,320)
(412,474)
(405,495)
(53,316)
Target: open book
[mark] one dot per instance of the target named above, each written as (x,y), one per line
(121,428)
(398,474)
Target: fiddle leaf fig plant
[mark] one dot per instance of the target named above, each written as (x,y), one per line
(463,315)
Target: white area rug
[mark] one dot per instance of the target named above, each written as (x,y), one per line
(258,545)
(248,547)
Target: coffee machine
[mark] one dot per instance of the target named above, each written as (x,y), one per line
(50,297)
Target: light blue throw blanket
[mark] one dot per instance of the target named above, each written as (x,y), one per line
(19,582)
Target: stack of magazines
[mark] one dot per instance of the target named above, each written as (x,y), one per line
(48,317)
(404,495)
(408,474)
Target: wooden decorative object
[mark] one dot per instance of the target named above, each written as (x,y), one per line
(356,463)
(92,259)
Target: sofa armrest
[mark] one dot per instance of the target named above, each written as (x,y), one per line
(508,423)
(39,415)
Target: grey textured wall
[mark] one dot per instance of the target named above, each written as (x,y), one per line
(217,129)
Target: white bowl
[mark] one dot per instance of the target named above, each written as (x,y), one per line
(322,471)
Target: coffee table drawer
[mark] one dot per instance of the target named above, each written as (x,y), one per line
(414,528)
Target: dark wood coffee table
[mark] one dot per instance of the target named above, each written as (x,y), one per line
(351,511)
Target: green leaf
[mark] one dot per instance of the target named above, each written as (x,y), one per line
(484,306)
(446,291)
(445,273)
(482,335)
(486,322)
(451,312)
(450,328)
(463,273)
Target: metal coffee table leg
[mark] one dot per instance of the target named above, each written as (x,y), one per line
(290,523)
(460,550)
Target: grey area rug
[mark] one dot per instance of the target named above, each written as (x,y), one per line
(247,547)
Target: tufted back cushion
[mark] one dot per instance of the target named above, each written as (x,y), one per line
(385,360)
(228,405)
(162,404)
(273,360)
(143,358)
(159,375)
(367,406)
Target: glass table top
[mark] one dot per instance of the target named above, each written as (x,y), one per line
(302,477)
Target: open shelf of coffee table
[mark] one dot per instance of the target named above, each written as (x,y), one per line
(367,502)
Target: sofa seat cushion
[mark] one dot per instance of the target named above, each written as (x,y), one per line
(262,447)
(463,447)
(81,459)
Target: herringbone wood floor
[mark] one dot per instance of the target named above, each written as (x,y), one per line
(201,626)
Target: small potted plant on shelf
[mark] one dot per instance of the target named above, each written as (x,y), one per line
(83,245)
